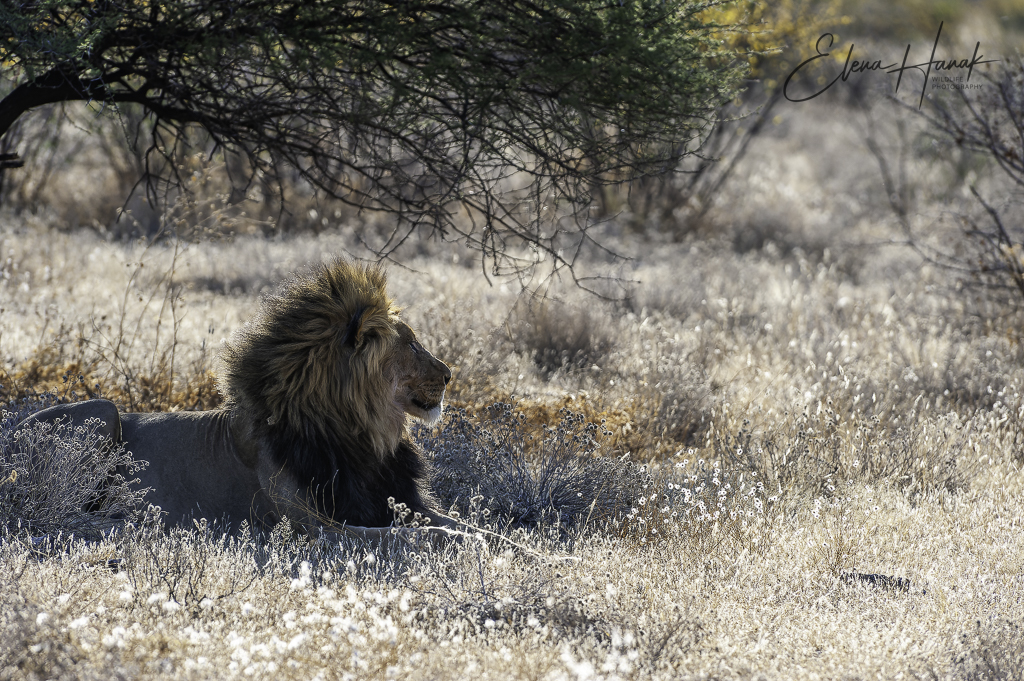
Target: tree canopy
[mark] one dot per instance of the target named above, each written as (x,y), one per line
(466,118)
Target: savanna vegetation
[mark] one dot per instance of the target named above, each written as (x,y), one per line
(776,435)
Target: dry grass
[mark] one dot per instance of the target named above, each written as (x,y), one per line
(828,428)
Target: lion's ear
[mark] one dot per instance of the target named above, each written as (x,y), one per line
(353,335)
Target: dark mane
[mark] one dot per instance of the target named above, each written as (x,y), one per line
(312,376)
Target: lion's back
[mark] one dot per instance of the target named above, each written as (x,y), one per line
(194,468)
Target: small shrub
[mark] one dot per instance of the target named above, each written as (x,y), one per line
(986,122)
(470,596)
(835,541)
(19,409)
(515,479)
(56,477)
(702,508)
(562,337)
(995,653)
(189,568)
(825,446)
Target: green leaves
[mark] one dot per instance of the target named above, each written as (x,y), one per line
(424,102)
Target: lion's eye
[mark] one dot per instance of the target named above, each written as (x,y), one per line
(416,347)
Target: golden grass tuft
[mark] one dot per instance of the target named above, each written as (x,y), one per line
(43,373)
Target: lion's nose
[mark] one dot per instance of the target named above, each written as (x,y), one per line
(447,373)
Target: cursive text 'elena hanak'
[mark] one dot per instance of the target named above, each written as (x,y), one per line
(858,66)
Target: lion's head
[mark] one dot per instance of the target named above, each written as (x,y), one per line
(421,377)
(328,360)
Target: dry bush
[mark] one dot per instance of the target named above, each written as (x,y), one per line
(191,568)
(65,375)
(702,510)
(561,337)
(820,449)
(994,652)
(499,471)
(134,355)
(20,408)
(470,596)
(63,478)
(647,423)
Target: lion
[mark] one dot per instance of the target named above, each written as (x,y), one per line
(318,387)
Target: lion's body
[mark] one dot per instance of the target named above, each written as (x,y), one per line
(318,386)
(196,489)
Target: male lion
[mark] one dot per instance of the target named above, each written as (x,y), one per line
(317,389)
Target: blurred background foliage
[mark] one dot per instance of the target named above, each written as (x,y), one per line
(64,143)
(781,34)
